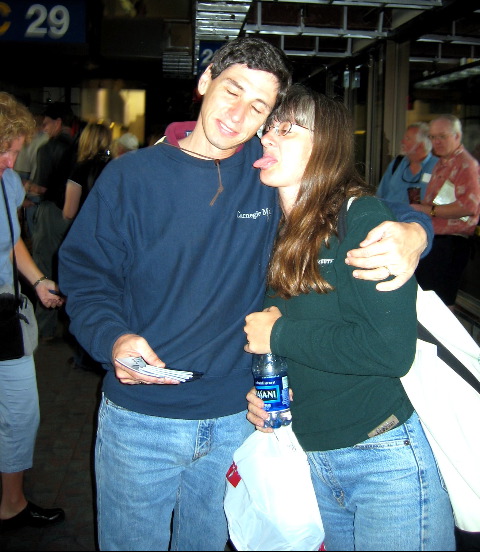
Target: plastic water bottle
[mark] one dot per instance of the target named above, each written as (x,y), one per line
(271,383)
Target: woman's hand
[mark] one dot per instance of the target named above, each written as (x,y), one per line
(47,292)
(256,414)
(258,328)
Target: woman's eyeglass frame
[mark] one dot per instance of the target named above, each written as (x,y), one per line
(287,127)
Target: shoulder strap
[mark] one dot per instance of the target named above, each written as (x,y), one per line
(397,162)
(342,219)
(448,357)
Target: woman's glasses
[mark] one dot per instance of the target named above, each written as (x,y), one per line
(282,129)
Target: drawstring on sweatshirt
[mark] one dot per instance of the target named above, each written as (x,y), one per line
(216,161)
(220,185)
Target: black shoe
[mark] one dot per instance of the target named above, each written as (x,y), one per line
(33,516)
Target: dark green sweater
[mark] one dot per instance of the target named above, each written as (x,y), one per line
(347,349)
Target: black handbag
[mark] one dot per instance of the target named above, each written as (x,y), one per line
(11,332)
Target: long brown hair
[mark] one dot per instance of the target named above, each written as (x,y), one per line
(329,178)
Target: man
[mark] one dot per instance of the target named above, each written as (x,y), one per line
(166,258)
(127,142)
(413,170)
(55,161)
(452,200)
(26,167)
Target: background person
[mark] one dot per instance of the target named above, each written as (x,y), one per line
(452,200)
(55,161)
(347,345)
(92,156)
(413,170)
(164,261)
(127,142)
(19,408)
(26,167)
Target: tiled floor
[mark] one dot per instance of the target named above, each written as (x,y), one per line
(62,474)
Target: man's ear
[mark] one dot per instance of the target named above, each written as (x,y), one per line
(204,80)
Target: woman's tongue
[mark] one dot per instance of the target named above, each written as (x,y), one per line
(265,162)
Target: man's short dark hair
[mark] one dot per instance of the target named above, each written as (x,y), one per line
(255,53)
(59,110)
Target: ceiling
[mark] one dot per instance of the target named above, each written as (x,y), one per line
(165,40)
(321,33)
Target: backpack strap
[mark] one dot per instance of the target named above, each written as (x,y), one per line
(447,357)
(342,219)
(397,162)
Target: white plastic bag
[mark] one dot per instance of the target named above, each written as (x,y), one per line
(270,503)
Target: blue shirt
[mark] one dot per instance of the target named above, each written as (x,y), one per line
(149,254)
(394,186)
(15,194)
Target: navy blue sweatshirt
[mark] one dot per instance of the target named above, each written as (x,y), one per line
(148,254)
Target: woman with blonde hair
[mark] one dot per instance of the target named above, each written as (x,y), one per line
(92,156)
(19,407)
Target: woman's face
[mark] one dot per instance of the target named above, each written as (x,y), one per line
(8,158)
(284,157)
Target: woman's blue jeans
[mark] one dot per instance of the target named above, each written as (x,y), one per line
(383,494)
(148,467)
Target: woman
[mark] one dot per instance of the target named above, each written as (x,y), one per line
(347,344)
(92,156)
(19,409)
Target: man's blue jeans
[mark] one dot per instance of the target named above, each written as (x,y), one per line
(383,494)
(148,467)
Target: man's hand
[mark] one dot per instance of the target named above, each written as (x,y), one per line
(392,248)
(256,415)
(34,189)
(131,345)
(27,203)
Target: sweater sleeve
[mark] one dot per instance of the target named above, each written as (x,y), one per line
(92,263)
(404,213)
(375,332)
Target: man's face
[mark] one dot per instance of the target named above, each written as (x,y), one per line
(444,141)
(409,141)
(8,157)
(234,107)
(414,150)
(52,127)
